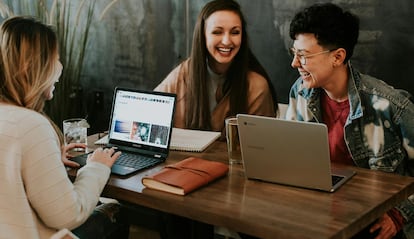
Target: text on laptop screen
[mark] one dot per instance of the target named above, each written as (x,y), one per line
(142,118)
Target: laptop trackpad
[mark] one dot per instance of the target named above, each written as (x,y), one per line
(121,170)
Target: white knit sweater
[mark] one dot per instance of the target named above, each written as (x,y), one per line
(36,196)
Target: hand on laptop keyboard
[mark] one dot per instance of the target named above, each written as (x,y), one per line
(106,156)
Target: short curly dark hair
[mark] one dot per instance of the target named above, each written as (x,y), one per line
(332,26)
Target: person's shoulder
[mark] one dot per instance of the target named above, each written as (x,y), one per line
(21,114)
(179,71)
(175,78)
(182,67)
(20,120)
(256,80)
(372,83)
(375,86)
(26,116)
(371,80)
(185,64)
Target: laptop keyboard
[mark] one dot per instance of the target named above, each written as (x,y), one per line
(336,179)
(136,161)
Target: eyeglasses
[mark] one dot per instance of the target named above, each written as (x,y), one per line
(302,57)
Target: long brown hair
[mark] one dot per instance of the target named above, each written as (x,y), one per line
(198,113)
(28,53)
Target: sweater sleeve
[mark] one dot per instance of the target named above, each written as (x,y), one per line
(57,202)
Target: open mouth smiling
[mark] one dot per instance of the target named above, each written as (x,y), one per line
(304,74)
(224,50)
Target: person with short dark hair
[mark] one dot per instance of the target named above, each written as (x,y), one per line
(370,124)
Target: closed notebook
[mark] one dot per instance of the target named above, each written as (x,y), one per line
(185,176)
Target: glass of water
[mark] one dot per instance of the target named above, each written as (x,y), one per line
(75,131)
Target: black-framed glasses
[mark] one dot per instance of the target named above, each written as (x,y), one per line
(302,57)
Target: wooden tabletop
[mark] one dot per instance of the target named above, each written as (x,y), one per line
(269,210)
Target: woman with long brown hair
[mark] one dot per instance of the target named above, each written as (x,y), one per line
(222,77)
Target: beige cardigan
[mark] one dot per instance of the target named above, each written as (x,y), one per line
(36,196)
(259,100)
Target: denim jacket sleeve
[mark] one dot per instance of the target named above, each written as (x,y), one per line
(404,119)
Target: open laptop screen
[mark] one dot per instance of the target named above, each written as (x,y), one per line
(141,119)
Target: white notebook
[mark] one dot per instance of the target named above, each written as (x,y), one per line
(185,139)
(192,140)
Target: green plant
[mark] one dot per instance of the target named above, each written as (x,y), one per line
(72,20)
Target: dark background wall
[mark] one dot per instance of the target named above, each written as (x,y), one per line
(138,42)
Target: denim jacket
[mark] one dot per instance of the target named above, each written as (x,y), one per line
(379,131)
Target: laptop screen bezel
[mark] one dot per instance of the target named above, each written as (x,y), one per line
(136,146)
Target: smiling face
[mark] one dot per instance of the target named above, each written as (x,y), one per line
(223,32)
(318,69)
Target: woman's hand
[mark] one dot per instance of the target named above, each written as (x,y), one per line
(66,154)
(104,156)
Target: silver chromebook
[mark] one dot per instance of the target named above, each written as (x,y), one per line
(288,152)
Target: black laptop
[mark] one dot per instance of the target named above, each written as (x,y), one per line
(140,127)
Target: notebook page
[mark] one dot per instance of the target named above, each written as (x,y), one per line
(192,140)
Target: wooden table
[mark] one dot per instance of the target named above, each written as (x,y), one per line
(270,210)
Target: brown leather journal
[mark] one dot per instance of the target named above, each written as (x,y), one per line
(185,176)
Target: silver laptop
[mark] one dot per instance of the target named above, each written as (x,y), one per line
(140,127)
(288,152)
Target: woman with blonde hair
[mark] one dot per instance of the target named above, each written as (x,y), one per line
(37,198)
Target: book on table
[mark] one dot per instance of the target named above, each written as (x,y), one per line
(185,176)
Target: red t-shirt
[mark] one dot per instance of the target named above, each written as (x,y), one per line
(334,115)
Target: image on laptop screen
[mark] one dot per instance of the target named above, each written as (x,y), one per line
(141,118)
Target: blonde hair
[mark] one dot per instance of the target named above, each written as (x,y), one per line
(28,53)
